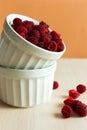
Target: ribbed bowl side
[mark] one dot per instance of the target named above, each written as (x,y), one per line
(13,57)
(26,92)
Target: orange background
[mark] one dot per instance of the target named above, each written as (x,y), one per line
(67,17)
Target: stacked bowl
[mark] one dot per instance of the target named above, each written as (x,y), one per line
(26,70)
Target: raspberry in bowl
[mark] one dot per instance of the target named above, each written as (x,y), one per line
(29,44)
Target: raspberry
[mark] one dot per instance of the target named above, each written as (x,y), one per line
(22,34)
(17,22)
(58,40)
(60,46)
(55,35)
(66,111)
(35,27)
(46,39)
(55,85)
(73,93)
(13,26)
(42,29)
(41,44)
(81,88)
(22,29)
(44,24)
(28,24)
(79,107)
(35,33)
(39,35)
(33,39)
(52,46)
(68,101)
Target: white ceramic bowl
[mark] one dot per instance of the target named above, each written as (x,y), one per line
(16,52)
(26,88)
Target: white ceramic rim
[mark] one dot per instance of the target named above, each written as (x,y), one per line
(18,73)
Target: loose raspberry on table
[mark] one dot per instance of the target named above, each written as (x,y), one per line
(66,111)
(73,93)
(79,107)
(81,88)
(55,85)
(68,101)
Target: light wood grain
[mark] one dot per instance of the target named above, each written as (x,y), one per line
(47,116)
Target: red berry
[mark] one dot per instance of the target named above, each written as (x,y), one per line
(22,34)
(81,88)
(44,24)
(28,24)
(52,46)
(22,29)
(13,26)
(41,44)
(73,93)
(42,29)
(46,39)
(60,46)
(33,39)
(55,85)
(17,22)
(35,27)
(39,35)
(68,101)
(66,111)
(55,35)
(35,33)
(79,107)
(58,40)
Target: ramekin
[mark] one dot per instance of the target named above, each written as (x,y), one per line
(17,52)
(26,88)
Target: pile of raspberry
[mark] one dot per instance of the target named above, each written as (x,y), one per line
(39,35)
(71,104)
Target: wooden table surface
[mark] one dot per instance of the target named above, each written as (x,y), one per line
(47,116)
